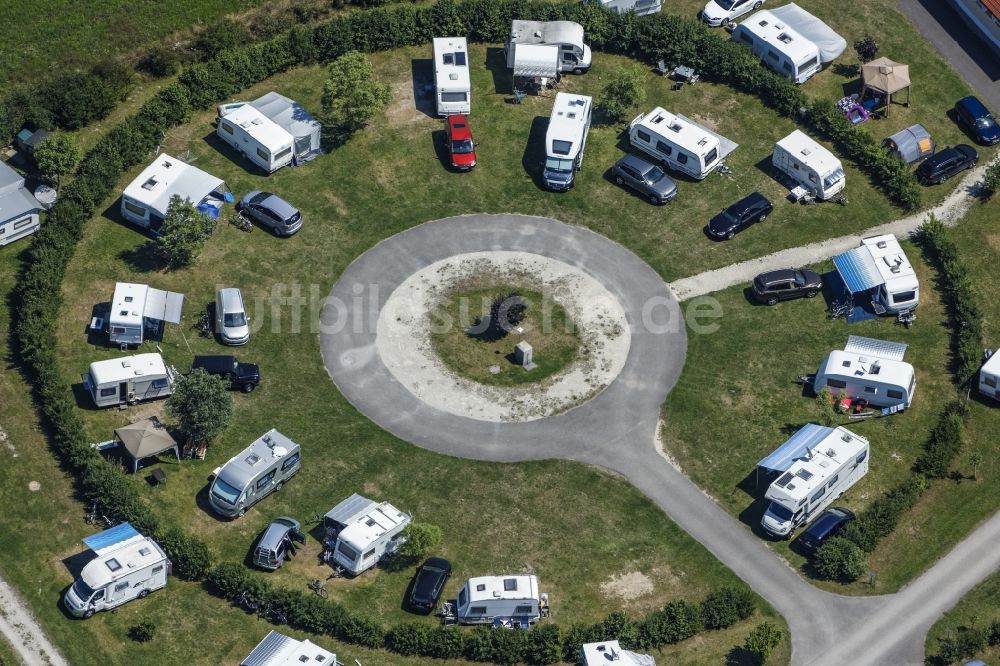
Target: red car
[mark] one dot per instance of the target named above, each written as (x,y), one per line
(461,147)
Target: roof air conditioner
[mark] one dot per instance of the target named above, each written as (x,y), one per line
(881,244)
(453,76)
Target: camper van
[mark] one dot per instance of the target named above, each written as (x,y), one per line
(574,55)
(254,473)
(146,200)
(640,7)
(989,376)
(484,599)
(610,653)
(452,86)
(256,137)
(566,139)
(780,46)
(127,566)
(870,370)
(360,532)
(137,309)
(678,142)
(810,165)
(123,381)
(816,466)
(277,649)
(879,269)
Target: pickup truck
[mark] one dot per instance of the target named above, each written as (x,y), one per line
(242,376)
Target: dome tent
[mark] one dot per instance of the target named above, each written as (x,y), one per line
(911,144)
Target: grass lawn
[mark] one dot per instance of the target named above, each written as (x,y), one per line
(470,346)
(7,655)
(979,608)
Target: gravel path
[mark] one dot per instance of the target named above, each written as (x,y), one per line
(950,211)
(18,626)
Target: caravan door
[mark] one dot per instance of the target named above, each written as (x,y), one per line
(123,392)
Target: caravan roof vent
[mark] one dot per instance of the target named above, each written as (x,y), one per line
(785,37)
(267,440)
(538,33)
(509,584)
(571,114)
(113,564)
(875,367)
(123,313)
(278,451)
(149,184)
(846,364)
(128,299)
(830,453)
(677,127)
(480,587)
(762,23)
(453,76)
(704,140)
(881,245)
(252,459)
(144,551)
(126,363)
(846,437)
(804,474)
(806,151)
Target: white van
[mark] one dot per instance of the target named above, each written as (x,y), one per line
(574,55)
(452,85)
(566,140)
(678,142)
(127,566)
(810,165)
(124,381)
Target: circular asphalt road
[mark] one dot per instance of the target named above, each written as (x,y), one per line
(625,412)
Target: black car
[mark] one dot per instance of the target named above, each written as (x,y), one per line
(242,376)
(946,163)
(272,212)
(828,525)
(428,584)
(743,213)
(786,284)
(645,178)
(977,120)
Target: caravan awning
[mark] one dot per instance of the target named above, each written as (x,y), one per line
(726,146)
(807,437)
(858,270)
(112,538)
(163,305)
(531,60)
(890,351)
(350,508)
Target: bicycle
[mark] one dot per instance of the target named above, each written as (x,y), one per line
(248,603)
(318,587)
(273,615)
(906,318)
(840,309)
(241,221)
(204,325)
(98,518)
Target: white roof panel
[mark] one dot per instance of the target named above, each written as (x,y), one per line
(369,526)
(258,126)
(278,649)
(532,60)
(891,351)
(610,653)
(817,465)
(780,36)
(451,63)
(164,305)
(497,587)
(128,367)
(811,152)
(168,176)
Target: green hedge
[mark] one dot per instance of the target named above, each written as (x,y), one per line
(944,442)
(881,517)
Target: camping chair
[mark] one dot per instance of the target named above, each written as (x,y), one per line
(661,67)
(519,96)
(678,85)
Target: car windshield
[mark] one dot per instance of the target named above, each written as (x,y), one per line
(780,511)
(654,175)
(233,319)
(728,215)
(224,491)
(260,197)
(800,277)
(985,122)
(556,164)
(82,590)
(461,146)
(725,4)
(427,581)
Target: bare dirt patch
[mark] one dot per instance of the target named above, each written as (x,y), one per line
(402,110)
(628,586)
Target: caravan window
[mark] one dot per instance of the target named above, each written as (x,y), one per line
(894,394)
(644,136)
(108,392)
(263,154)
(664,148)
(682,158)
(477,610)
(266,479)
(861,458)
(772,55)
(871,390)
(817,496)
(292,461)
(347,551)
(813,178)
(159,383)
(135,210)
(281,154)
(560,147)
(157,570)
(787,66)
(370,554)
(121,586)
(454,96)
(745,37)
(463,597)
(904,296)
(712,154)
(227,128)
(836,383)
(807,65)
(522,610)
(833,481)
(989,381)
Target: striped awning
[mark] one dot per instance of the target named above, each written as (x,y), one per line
(890,351)
(112,538)
(857,269)
(807,437)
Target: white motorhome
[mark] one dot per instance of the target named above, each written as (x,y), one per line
(574,55)
(360,532)
(779,45)
(989,377)
(147,198)
(123,381)
(640,7)
(871,370)
(278,649)
(810,165)
(610,653)
(127,566)
(566,139)
(257,137)
(679,143)
(254,473)
(486,599)
(816,466)
(452,85)
(879,269)
(138,308)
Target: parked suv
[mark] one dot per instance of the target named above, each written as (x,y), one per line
(977,120)
(786,284)
(242,376)
(231,321)
(277,542)
(946,163)
(428,584)
(743,213)
(461,147)
(645,178)
(828,525)
(272,212)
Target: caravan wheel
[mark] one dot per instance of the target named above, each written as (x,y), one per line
(757,5)
(144,594)
(88,613)
(278,486)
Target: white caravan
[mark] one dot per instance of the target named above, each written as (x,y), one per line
(879,268)
(810,165)
(19,209)
(574,55)
(640,7)
(257,137)
(780,46)
(127,566)
(360,532)
(137,308)
(989,376)
(816,465)
(278,649)
(871,370)
(679,143)
(610,653)
(147,198)
(254,473)
(566,139)
(452,86)
(123,381)
(486,599)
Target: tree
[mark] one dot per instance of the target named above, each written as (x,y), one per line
(56,156)
(623,92)
(352,95)
(991,181)
(142,632)
(840,559)
(184,232)
(827,411)
(866,48)
(762,640)
(421,538)
(202,405)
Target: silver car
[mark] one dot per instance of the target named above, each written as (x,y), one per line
(645,178)
(271,212)
(231,321)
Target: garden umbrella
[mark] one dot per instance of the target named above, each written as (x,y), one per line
(145,439)
(886,77)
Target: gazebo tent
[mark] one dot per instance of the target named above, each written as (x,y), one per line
(146,439)
(911,144)
(885,78)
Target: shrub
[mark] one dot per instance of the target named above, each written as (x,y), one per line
(56,156)
(75,100)
(675,622)
(184,233)
(964,644)
(446,642)
(142,632)
(944,443)
(544,644)
(827,409)
(496,645)
(219,36)
(189,555)
(363,631)
(228,580)
(421,538)
(352,95)
(625,90)
(881,517)
(726,607)
(621,627)
(993,633)
(866,48)
(202,405)
(762,640)
(991,180)
(573,640)
(409,638)
(840,559)
(160,61)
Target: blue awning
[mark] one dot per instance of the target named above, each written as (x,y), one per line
(806,438)
(111,537)
(857,269)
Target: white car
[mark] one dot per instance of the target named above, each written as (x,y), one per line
(718,12)
(231,321)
